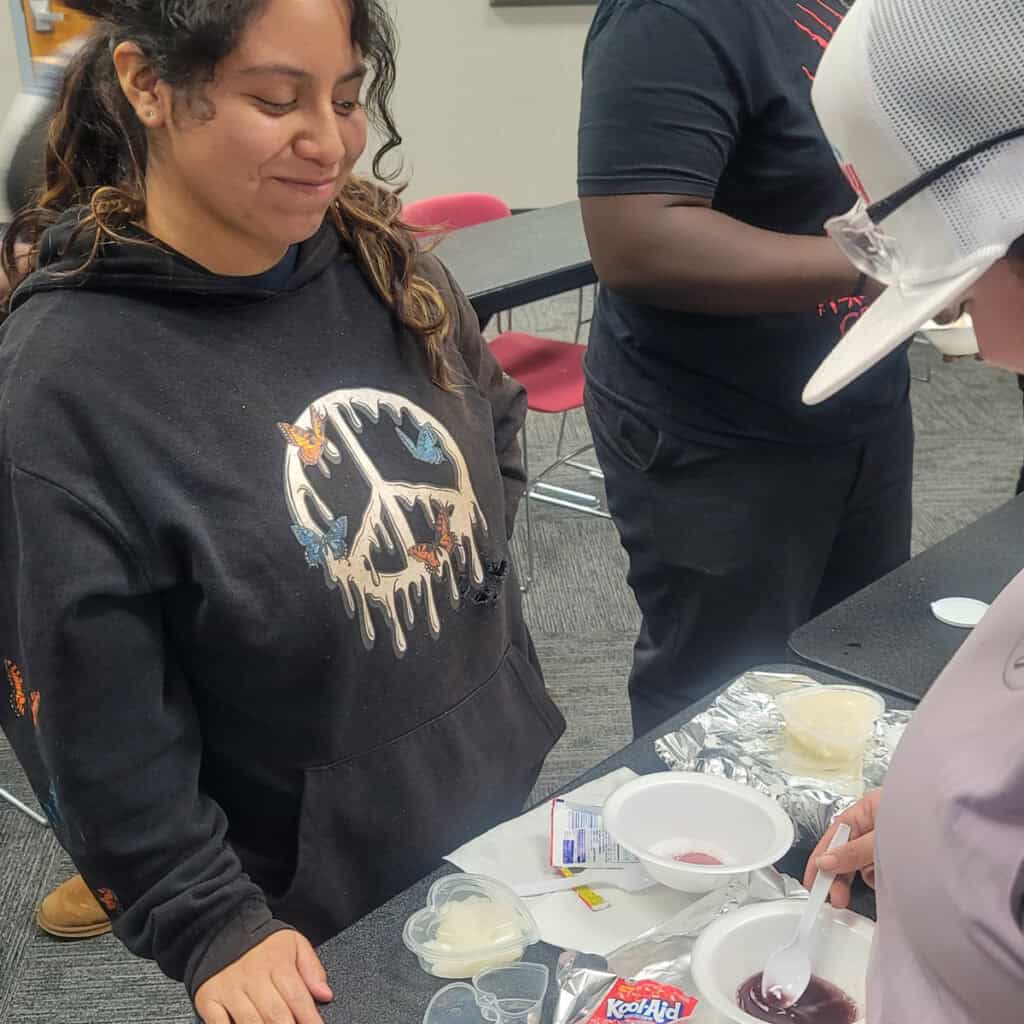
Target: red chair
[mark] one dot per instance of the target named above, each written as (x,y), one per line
(551,371)
(449,213)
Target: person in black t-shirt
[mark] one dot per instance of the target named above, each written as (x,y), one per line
(705,183)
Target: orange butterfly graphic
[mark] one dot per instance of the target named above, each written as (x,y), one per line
(445,540)
(17,684)
(309,442)
(111,904)
(428,555)
(34,704)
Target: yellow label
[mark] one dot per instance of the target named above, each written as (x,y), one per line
(592,899)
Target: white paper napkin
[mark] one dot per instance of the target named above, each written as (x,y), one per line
(518,851)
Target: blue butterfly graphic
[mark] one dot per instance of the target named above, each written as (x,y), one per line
(316,545)
(428,447)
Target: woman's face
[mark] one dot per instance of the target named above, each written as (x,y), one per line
(286,129)
(996,304)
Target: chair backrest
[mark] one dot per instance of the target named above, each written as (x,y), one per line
(451,212)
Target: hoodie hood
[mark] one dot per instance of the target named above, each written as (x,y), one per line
(145,266)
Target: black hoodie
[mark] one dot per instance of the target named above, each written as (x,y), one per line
(266,657)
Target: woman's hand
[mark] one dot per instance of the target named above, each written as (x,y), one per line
(276,982)
(856,855)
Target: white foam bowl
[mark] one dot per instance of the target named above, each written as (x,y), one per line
(697,813)
(737,946)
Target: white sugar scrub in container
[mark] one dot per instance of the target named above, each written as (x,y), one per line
(470,923)
(695,832)
(831,724)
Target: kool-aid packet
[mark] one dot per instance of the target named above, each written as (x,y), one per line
(590,993)
(643,1002)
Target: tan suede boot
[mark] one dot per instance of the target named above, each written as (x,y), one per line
(72,912)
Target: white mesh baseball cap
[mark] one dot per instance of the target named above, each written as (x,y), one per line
(923,104)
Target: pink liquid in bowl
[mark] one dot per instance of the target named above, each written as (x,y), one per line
(696,857)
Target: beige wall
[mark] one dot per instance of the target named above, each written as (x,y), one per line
(8,59)
(488,98)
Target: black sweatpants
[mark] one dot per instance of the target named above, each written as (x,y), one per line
(730,549)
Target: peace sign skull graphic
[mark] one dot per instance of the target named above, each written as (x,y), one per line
(352,545)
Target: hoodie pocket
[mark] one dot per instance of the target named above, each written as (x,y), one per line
(372,825)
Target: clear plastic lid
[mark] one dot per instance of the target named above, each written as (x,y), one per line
(454,1004)
(513,994)
(470,922)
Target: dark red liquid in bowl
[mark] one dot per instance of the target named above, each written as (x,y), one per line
(822,1003)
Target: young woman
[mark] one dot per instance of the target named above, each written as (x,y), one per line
(264,648)
(935,145)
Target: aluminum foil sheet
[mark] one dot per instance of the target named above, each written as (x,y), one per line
(742,736)
(661,954)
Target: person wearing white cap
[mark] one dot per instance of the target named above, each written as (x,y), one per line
(922,101)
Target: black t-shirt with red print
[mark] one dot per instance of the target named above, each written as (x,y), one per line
(712,98)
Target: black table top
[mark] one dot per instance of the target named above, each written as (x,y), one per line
(886,635)
(509,262)
(375,978)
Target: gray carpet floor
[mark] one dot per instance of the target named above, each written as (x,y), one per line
(969,450)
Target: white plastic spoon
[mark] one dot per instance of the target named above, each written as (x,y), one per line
(788,971)
(630,878)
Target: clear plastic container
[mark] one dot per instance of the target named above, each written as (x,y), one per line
(499,995)
(470,923)
(454,1004)
(832,723)
(512,994)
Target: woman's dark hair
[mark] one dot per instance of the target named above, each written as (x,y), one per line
(97,147)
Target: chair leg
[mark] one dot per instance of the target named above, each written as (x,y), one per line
(927,378)
(15,802)
(579,317)
(563,496)
(561,437)
(592,471)
(528,579)
(581,320)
